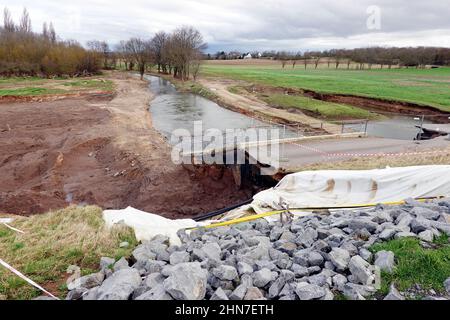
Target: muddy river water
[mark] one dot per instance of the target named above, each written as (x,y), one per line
(172,110)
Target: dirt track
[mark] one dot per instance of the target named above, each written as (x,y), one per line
(251,105)
(99,151)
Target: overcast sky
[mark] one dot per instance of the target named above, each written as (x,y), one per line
(249,25)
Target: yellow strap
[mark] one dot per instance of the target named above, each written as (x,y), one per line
(271,213)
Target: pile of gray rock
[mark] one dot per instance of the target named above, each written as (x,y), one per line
(322,256)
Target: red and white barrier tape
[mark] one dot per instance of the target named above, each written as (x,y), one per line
(19,274)
(12,228)
(311,149)
(381,154)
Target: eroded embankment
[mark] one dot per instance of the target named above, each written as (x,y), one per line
(99,151)
(383,106)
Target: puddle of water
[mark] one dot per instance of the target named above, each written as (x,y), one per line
(401,127)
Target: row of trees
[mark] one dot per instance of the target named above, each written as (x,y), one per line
(419,57)
(178,53)
(26,53)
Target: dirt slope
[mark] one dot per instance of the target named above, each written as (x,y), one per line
(99,151)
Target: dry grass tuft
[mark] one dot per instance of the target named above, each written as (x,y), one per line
(51,243)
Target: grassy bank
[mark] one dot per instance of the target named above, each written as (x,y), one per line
(428,87)
(428,268)
(318,108)
(30,87)
(51,243)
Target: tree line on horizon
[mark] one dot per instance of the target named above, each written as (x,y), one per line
(179,53)
(418,57)
(27,53)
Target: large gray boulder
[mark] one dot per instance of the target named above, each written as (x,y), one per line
(225,272)
(360,269)
(212,251)
(187,281)
(87,282)
(220,295)
(385,260)
(425,213)
(239,292)
(106,262)
(143,253)
(121,264)
(254,294)
(276,287)
(393,294)
(427,236)
(340,258)
(447,285)
(120,285)
(307,237)
(307,291)
(362,223)
(357,292)
(262,277)
(244,268)
(387,234)
(179,257)
(156,293)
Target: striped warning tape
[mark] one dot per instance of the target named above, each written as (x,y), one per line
(384,154)
(379,154)
(19,274)
(12,228)
(311,149)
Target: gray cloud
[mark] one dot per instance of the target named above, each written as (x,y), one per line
(247,25)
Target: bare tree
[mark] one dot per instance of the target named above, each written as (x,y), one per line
(52,33)
(316,61)
(139,50)
(195,67)
(25,22)
(101,49)
(8,23)
(158,43)
(184,46)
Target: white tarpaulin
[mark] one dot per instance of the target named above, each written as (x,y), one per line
(340,188)
(147,225)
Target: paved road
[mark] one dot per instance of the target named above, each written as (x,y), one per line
(296,155)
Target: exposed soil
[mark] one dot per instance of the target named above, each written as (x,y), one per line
(100,150)
(388,107)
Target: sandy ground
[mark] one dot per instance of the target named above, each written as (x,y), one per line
(100,151)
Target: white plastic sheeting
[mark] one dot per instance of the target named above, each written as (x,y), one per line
(147,225)
(340,188)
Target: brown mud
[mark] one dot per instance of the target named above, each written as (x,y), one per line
(100,150)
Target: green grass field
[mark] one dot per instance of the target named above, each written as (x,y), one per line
(321,109)
(29,91)
(30,86)
(422,86)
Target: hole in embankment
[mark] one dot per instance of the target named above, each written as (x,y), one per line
(247,173)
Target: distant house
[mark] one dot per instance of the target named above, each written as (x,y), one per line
(248,56)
